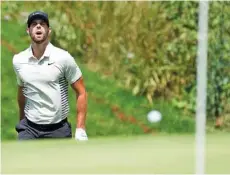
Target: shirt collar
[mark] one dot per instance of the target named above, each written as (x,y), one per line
(46,53)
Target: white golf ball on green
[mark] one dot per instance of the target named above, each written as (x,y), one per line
(154,116)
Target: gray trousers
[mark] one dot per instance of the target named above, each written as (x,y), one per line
(28,130)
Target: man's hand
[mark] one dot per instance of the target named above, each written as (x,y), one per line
(80,134)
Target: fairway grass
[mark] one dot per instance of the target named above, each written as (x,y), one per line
(168,154)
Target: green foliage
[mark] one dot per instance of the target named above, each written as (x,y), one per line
(218,91)
(182,50)
(219,60)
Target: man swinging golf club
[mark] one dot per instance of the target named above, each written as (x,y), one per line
(43,74)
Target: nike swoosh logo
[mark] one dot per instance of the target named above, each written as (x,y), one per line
(50,63)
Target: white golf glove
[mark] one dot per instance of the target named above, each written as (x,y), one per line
(80,134)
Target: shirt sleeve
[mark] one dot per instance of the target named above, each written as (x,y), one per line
(16,68)
(72,70)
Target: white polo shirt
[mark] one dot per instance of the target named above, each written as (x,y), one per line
(45,83)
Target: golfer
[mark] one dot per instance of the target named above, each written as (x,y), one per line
(43,74)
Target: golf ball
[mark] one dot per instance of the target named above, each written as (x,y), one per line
(154,116)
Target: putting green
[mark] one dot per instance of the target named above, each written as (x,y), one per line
(168,154)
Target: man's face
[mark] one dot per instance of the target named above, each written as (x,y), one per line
(39,31)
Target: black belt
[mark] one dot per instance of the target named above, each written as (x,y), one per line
(47,127)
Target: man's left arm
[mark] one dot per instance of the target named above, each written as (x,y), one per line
(74,76)
(81,105)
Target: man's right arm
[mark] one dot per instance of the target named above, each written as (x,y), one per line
(20,96)
(21,102)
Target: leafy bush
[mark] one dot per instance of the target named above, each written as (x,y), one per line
(149,47)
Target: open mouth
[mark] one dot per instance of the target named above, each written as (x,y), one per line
(38,33)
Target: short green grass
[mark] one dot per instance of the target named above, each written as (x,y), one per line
(167,154)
